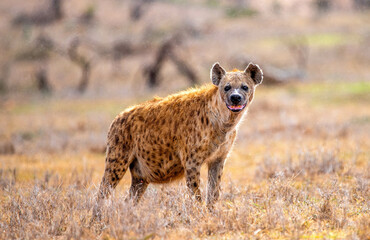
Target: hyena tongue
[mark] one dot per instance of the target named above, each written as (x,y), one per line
(238,107)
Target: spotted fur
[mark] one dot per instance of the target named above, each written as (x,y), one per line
(167,138)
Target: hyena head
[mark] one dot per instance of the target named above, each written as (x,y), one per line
(236,88)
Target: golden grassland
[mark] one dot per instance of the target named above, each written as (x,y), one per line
(300,170)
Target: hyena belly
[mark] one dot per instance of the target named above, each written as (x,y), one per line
(159,158)
(169,171)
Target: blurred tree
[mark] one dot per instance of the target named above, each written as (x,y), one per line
(137,8)
(5,69)
(361,4)
(82,62)
(42,80)
(322,5)
(42,16)
(88,15)
(167,51)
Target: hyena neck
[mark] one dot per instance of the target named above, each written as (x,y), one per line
(221,116)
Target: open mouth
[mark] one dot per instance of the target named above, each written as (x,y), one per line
(236,108)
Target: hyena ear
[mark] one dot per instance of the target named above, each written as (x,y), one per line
(217,73)
(255,72)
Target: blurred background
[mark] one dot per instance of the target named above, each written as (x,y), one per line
(300,167)
(67,68)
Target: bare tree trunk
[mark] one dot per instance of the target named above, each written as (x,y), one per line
(42,80)
(42,16)
(153,70)
(167,50)
(82,62)
(137,9)
(84,78)
(4,77)
(56,8)
(184,68)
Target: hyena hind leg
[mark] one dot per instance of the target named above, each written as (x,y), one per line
(116,165)
(138,183)
(193,180)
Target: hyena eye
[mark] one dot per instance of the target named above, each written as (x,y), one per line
(227,88)
(245,87)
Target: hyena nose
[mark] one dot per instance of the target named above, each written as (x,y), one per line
(235,98)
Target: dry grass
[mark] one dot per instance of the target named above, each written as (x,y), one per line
(300,168)
(320,200)
(285,179)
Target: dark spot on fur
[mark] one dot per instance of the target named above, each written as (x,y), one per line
(160,151)
(114,171)
(123,120)
(195,184)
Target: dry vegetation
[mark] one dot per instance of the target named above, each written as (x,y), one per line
(307,178)
(300,168)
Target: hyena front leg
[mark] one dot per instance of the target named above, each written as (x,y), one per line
(192,171)
(214,178)
(215,167)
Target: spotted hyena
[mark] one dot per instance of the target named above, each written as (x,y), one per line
(167,138)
